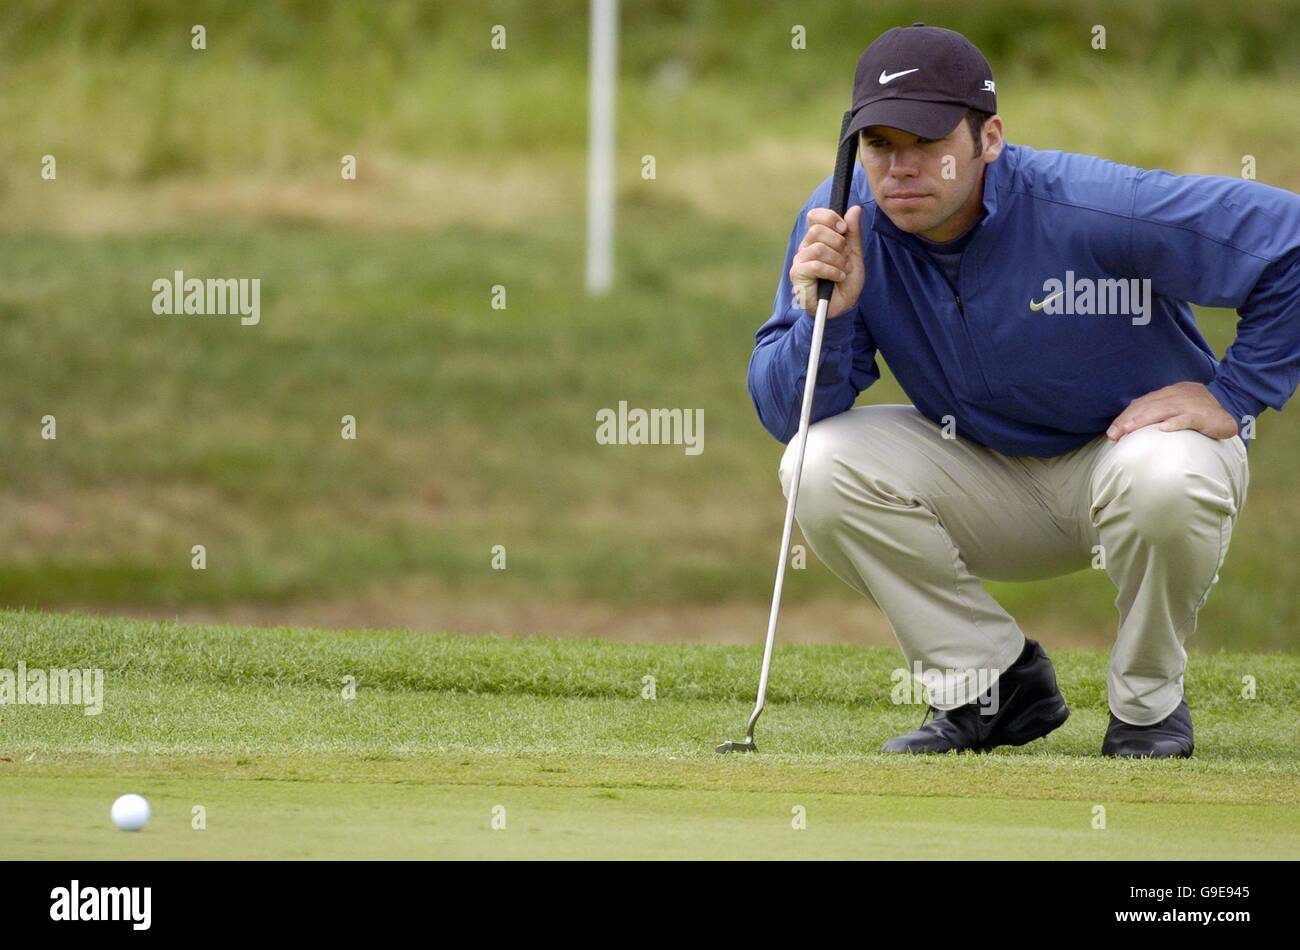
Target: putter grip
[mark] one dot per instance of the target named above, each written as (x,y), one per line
(844,157)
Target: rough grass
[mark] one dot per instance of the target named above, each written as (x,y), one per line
(476,426)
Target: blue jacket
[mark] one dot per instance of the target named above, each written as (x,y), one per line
(1041,381)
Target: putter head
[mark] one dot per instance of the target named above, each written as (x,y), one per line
(744,745)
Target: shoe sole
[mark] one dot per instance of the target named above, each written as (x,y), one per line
(1038,720)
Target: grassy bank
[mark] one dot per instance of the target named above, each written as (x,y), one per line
(476,425)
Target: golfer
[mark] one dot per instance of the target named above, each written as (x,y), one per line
(1066,412)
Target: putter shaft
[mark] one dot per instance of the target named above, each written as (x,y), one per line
(845,155)
(805,413)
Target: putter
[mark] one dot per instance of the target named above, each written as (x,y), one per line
(844,158)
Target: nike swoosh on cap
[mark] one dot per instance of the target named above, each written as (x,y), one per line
(889,77)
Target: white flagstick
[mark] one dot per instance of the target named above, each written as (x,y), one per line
(602,81)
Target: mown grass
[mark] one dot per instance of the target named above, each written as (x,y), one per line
(441,810)
(252,725)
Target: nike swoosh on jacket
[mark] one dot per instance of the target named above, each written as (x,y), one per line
(1029,383)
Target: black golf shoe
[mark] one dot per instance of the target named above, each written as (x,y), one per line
(1029,707)
(1170,738)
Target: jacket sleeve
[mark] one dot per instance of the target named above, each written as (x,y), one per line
(1226,242)
(779,362)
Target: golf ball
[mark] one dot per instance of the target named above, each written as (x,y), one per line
(130,812)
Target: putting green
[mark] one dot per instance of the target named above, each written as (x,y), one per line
(315,744)
(446,807)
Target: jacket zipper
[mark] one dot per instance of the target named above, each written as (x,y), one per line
(961,312)
(956,295)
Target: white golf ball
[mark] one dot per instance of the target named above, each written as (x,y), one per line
(130,812)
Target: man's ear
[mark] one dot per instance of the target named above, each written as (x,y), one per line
(992,138)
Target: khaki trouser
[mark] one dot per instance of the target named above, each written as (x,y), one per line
(914,520)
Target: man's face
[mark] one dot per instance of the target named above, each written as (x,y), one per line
(930,187)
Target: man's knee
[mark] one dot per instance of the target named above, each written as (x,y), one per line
(1164,483)
(846,459)
(817,495)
